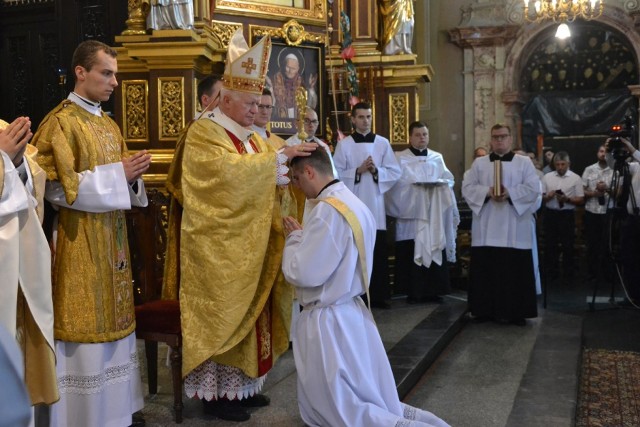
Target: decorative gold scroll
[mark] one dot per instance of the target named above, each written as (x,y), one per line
(171,107)
(399,118)
(135,107)
(221,32)
(291,32)
(314,12)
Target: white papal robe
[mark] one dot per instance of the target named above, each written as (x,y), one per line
(99,383)
(339,384)
(350,155)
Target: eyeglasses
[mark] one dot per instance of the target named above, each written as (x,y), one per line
(500,137)
(265,107)
(310,122)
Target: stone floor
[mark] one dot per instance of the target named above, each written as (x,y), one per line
(471,375)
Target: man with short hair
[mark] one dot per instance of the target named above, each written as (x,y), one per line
(235,311)
(262,119)
(502,281)
(596,179)
(208,92)
(91,180)
(366,164)
(310,125)
(344,376)
(423,203)
(562,192)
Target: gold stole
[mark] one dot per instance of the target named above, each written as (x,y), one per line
(358,235)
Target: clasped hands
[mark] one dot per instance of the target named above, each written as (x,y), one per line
(136,165)
(367,165)
(501,198)
(14,139)
(290,224)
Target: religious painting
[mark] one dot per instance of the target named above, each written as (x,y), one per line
(291,67)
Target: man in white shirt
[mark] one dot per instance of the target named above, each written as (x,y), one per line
(423,203)
(502,285)
(562,192)
(366,164)
(344,375)
(596,179)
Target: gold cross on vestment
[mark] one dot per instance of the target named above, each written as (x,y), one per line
(249,66)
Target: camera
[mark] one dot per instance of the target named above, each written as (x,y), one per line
(615,146)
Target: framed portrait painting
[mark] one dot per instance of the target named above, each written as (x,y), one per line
(291,67)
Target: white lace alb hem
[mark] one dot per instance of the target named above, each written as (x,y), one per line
(212,381)
(92,384)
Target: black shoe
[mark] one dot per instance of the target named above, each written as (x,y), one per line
(137,419)
(225,410)
(255,401)
(411,300)
(435,298)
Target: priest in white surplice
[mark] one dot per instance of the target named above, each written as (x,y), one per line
(367,166)
(91,180)
(423,203)
(26,307)
(344,376)
(502,279)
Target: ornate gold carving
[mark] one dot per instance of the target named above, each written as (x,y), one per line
(137,22)
(171,108)
(399,118)
(315,12)
(135,107)
(221,32)
(292,32)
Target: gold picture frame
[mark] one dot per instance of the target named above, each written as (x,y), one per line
(314,11)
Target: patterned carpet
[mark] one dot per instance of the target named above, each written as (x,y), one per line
(609,394)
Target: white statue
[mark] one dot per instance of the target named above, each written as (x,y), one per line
(170,14)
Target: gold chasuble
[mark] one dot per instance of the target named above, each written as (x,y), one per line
(93,299)
(234,302)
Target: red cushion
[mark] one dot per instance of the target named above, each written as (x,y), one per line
(159,316)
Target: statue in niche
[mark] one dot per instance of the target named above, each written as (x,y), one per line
(396,21)
(170,14)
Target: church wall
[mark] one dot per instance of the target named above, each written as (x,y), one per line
(441,101)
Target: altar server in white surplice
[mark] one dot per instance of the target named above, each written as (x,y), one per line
(344,376)
(366,164)
(502,279)
(26,306)
(423,203)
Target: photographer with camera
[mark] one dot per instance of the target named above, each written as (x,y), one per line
(629,257)
(562,192)
(596,179)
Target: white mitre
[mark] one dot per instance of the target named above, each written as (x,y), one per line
(245,68)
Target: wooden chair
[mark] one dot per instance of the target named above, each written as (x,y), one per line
(157,320)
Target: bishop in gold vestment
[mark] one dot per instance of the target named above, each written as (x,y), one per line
(235,307)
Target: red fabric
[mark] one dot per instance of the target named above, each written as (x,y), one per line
(159,316)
